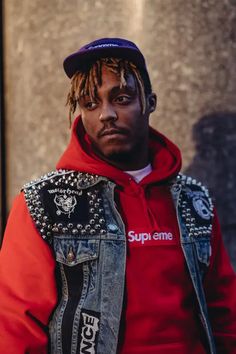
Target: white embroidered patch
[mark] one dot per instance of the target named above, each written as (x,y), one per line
(202,207)
(65,204)
(88,334)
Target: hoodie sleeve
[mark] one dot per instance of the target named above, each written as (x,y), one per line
(27,285)
(220,287)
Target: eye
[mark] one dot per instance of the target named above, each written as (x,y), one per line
(90,105)
(123,99)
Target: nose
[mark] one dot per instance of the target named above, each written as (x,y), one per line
(108,113)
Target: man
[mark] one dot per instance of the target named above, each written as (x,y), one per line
(115,251)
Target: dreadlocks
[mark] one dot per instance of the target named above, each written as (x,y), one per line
(86,83)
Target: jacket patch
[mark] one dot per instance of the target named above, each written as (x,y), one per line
(88,332)
(65,204)
(202,206)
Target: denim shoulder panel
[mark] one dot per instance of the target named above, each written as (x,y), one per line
(66,202)
(195,213)
(195,208)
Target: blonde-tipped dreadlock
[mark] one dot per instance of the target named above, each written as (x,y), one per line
(86,83)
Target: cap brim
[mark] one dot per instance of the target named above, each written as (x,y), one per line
(79,60)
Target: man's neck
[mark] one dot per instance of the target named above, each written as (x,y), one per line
(138,175)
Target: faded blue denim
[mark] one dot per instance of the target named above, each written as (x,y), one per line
(101,261)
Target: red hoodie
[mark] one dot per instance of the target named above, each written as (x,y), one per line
(160,310)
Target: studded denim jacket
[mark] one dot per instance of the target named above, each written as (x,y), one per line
(76,214)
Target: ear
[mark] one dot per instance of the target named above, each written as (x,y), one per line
(151,102)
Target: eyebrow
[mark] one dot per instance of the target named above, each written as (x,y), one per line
(117,89)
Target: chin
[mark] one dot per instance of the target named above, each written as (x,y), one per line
(119,155)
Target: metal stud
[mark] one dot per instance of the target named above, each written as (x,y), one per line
(70,255)
(55,229)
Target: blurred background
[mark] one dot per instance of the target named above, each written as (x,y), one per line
(190,47)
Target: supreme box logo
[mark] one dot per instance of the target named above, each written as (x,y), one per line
(145,238)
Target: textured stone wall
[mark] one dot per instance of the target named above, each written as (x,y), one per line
(190,48)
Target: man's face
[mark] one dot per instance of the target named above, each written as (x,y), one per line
(114,121)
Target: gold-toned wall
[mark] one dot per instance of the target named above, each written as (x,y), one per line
(190,48)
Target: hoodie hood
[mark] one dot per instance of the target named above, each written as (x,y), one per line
(165,158)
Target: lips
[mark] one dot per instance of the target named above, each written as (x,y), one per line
(112,131)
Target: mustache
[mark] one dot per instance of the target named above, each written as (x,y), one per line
(112,127)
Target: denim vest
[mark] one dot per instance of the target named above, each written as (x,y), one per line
(76,214)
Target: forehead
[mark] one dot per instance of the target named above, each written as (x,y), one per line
(111,79)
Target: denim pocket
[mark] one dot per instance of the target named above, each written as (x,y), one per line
(72,251)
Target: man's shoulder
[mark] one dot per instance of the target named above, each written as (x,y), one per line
(194,204)
(187,180)
(189,185)
(58,177)
(62,200)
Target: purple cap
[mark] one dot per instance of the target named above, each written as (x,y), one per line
(104,48)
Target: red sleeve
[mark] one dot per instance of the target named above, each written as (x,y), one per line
(220,287)
(27,285)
